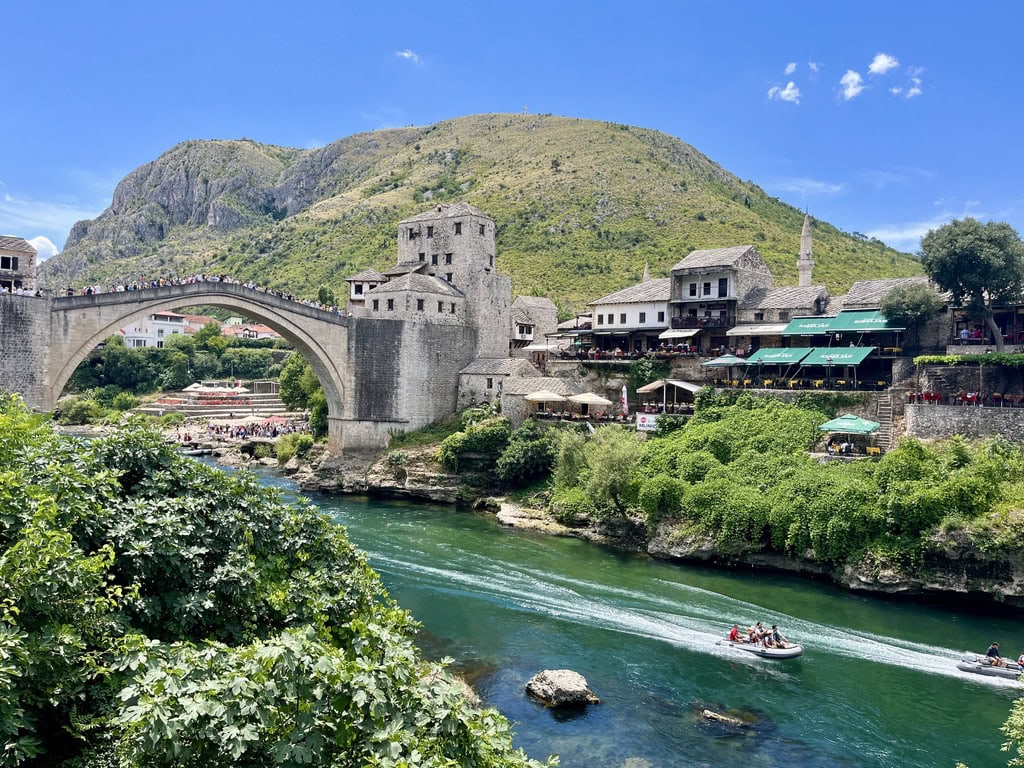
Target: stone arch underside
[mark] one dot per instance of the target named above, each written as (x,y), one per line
(326,364)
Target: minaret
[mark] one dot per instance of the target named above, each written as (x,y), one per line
(805,262)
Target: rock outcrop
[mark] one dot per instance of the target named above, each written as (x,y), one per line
(561,688)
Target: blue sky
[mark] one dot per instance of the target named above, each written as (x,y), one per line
(886,118)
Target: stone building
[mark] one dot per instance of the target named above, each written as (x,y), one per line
(362,283)
(483,380)
(17,264)
(634,318)
(515,389)
(446,259)
(533,318)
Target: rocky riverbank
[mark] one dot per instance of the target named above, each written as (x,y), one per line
(952,565)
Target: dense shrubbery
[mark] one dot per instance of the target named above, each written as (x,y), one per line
(530,453)
(155,612)
(478,445)
(739,473)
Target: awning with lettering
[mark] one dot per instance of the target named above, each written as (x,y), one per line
(863,321)
(679,333)
(809,326)
(767,329)
(837,355)
(787,356)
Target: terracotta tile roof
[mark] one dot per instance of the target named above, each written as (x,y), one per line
(413,281)
(445,211)
(649,290)
(11,243)
(714,257)
(367,276)
(501,366)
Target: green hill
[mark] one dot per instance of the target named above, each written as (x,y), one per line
(580,207)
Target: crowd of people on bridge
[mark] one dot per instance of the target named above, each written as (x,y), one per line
(19,291)
(144,283)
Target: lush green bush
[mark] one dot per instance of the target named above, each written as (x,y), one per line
(75,411)
(125,401)
(479,444)
(156,612)
(571,505)
(292,444)
(530,453)
(609,477)
(661,496)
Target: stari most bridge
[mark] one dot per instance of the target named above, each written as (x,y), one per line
(379,375)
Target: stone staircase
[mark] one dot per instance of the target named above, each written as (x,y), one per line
(883,438)
(255,404)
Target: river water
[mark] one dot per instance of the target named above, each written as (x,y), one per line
(877,685)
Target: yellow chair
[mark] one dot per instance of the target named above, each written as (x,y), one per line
(793,383)
(874,450)
(769,383)
(747,382)
(818,383)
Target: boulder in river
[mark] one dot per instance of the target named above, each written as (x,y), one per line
(561,688)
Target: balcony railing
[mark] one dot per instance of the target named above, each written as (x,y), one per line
(704,322)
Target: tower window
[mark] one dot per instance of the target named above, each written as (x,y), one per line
(448,276)
(430,231)
(419,305)
(412,233)
(423,257)
(452,305)
(433,259)
(440,306)
(458,227)
(448,258)
(481,230)
(490,383)
(376,304)
(391,304)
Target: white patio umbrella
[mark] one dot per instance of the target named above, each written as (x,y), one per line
(589,398)
(544,396)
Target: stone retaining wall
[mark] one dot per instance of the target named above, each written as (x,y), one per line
(945,421)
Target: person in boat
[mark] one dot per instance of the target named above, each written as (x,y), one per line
(778,640)
(756,634)
(1020,661)
(993,657)
(735,636)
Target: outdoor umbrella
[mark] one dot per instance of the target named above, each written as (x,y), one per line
(545,396)
(589,398)
(849,424)
(724,361)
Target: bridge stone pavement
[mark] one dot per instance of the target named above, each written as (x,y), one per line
(379,375)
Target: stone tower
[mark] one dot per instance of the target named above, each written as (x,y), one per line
(456,244)
(805,262)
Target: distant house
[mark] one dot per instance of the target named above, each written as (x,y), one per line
(362,283)
(533,318)
(153,330)
(513,403)
(632,319)
(250,331)
(482,380)
(17,264)
(764,313)
(194,323)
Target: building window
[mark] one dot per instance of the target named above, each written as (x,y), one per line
(707,289)
(723,287)
(448,276)
(376,304)
(481,230)
(433,259)
(661,317)
(693,289)
(611,319)
(600,319)
(448,258)
(458,227)
(430,232)
(412,233)
(783,315)
(525,330)
(643,318)
(419,305)
(423,257)
(490,383)
(453,307)
(391,304)
(9,262)
(490,260)
(758,317)
(358,289)
(440,306)
(622,318)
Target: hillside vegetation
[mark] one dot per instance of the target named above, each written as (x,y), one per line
(580,207)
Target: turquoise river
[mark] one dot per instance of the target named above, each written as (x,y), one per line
(877,686)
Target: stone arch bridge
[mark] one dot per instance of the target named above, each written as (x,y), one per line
(379,376)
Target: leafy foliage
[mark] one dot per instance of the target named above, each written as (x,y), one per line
(479,444)
(530,452)
(155,612)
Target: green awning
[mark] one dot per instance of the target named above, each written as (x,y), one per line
(849,424)
(809,326)
(778,356)
(862,321)
(838,356)
(723,362)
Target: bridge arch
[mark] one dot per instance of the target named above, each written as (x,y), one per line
(81,323)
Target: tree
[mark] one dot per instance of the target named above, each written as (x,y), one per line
(911,305)
(980,264)
(326,296)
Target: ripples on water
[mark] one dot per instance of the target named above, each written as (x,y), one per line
(877,685)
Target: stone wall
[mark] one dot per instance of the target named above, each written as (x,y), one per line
(945,421)
(25,343)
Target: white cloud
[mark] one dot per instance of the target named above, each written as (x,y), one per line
(915,88)
(880,179)
(907,236)
(790,93)
(895,90)
(44,247)
(408,55)
(791,68)
(806,187)
(882,63)
(814,66)
(852,84)
(21,215)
